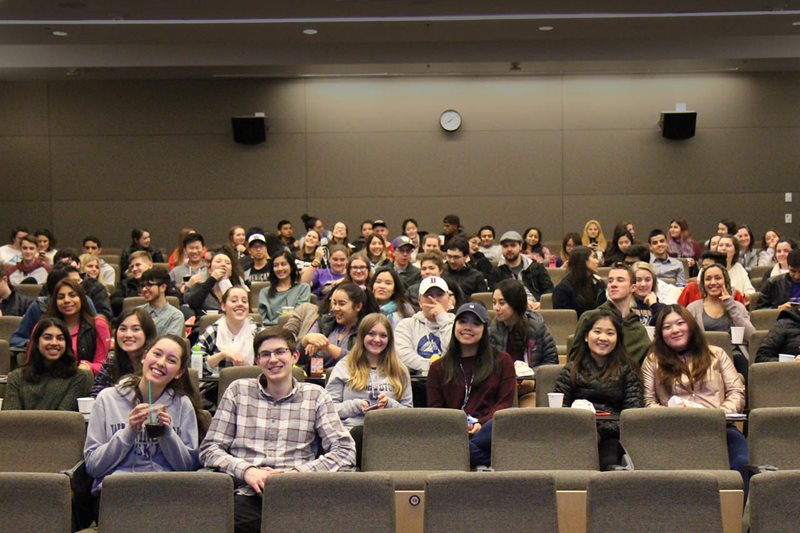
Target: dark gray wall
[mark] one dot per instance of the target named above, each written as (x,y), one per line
(102,157)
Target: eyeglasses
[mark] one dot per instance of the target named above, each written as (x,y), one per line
(148,284)
(266,354)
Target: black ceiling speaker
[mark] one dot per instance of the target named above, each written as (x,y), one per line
(249,130)
(678,125)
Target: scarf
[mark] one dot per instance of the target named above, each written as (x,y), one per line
(241,343)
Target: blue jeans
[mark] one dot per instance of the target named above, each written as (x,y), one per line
(480,446)
(738,456)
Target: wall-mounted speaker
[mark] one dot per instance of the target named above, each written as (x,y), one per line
(249,130)
(678,125)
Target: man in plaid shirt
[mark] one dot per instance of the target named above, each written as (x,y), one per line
(273,425)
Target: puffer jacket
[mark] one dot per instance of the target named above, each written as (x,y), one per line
(541,346)
(783,337)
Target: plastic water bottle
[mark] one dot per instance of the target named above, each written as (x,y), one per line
(197,360)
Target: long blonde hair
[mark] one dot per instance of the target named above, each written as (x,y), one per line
(389,364)
(601,238)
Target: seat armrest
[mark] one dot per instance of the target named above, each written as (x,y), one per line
(82,505)
(761,469)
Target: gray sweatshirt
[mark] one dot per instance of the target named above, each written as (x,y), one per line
(113,446)
(417,339)
(348,401)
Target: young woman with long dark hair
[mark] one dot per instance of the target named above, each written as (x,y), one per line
(474,377)
(580,289)
(135,331)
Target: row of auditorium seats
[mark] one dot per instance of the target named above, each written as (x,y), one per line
(683,502)
(409,446)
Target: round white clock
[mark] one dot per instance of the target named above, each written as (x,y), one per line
(450,120)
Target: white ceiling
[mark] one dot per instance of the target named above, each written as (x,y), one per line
(241,38)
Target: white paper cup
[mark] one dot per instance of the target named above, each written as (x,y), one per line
(782,358)
(1,404)
(737,334)
(651,332)
(85,405)
(555,399)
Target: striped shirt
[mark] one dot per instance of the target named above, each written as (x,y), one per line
(252,429)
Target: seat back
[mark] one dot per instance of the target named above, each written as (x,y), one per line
(546,301)
(31,290)
(556,275)
(415,439)
(544,439)
(132,301)
(774,437)
(8,325)
(773,385)
(231,374)
(342,501)
(773,502)
(764,319)
(167,502)
(35,502)
(545,376)
(255,291)
(561,323)
(483,298)
(675,438)
(756,339)
(721,339)
(40,441)
(450,499)
(207,320)
(5,357)
(653,501)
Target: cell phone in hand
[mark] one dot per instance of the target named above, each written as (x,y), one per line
(371,407)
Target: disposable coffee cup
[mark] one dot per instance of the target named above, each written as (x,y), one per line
(651,332)
(287,309)
(154,429)
(782,358)
(555,399)
(1,404)
(85,405)
(737,334)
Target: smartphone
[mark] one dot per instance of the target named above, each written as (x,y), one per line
(371,407)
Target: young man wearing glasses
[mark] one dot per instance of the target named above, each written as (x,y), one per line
(153,287)
(273,425)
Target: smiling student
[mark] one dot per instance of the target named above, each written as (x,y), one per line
(117,439)
(284,291)
(249,437)
(229,341)
(49,380)
(153,288)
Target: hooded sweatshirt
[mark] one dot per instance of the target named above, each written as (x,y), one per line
(113,446)
(417,339)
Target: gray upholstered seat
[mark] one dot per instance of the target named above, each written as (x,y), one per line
(415,440)
(678,439)
(561,323)
(560,441)
(679,502)
(774,385)
(545,376)
(773,502)
(35,502)
(40,441)
(329,501)
(487,502)
(167,502)
(231,374)
(764,319)
(774,437)
(8,325)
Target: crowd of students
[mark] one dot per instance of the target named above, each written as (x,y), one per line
(375,311)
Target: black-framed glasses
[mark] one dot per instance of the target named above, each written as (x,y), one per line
(266,354)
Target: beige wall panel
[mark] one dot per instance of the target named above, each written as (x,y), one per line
(392,164)
(32,215)
(187,107)
(642,162)
(702,212)
(23,108)
(197,166)
(503,212)
(720,100)
(415,104)
(24,168)
(113,221)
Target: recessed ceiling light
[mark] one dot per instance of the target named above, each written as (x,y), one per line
(546,28)
(310,31)
(59,33)
(796,23)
